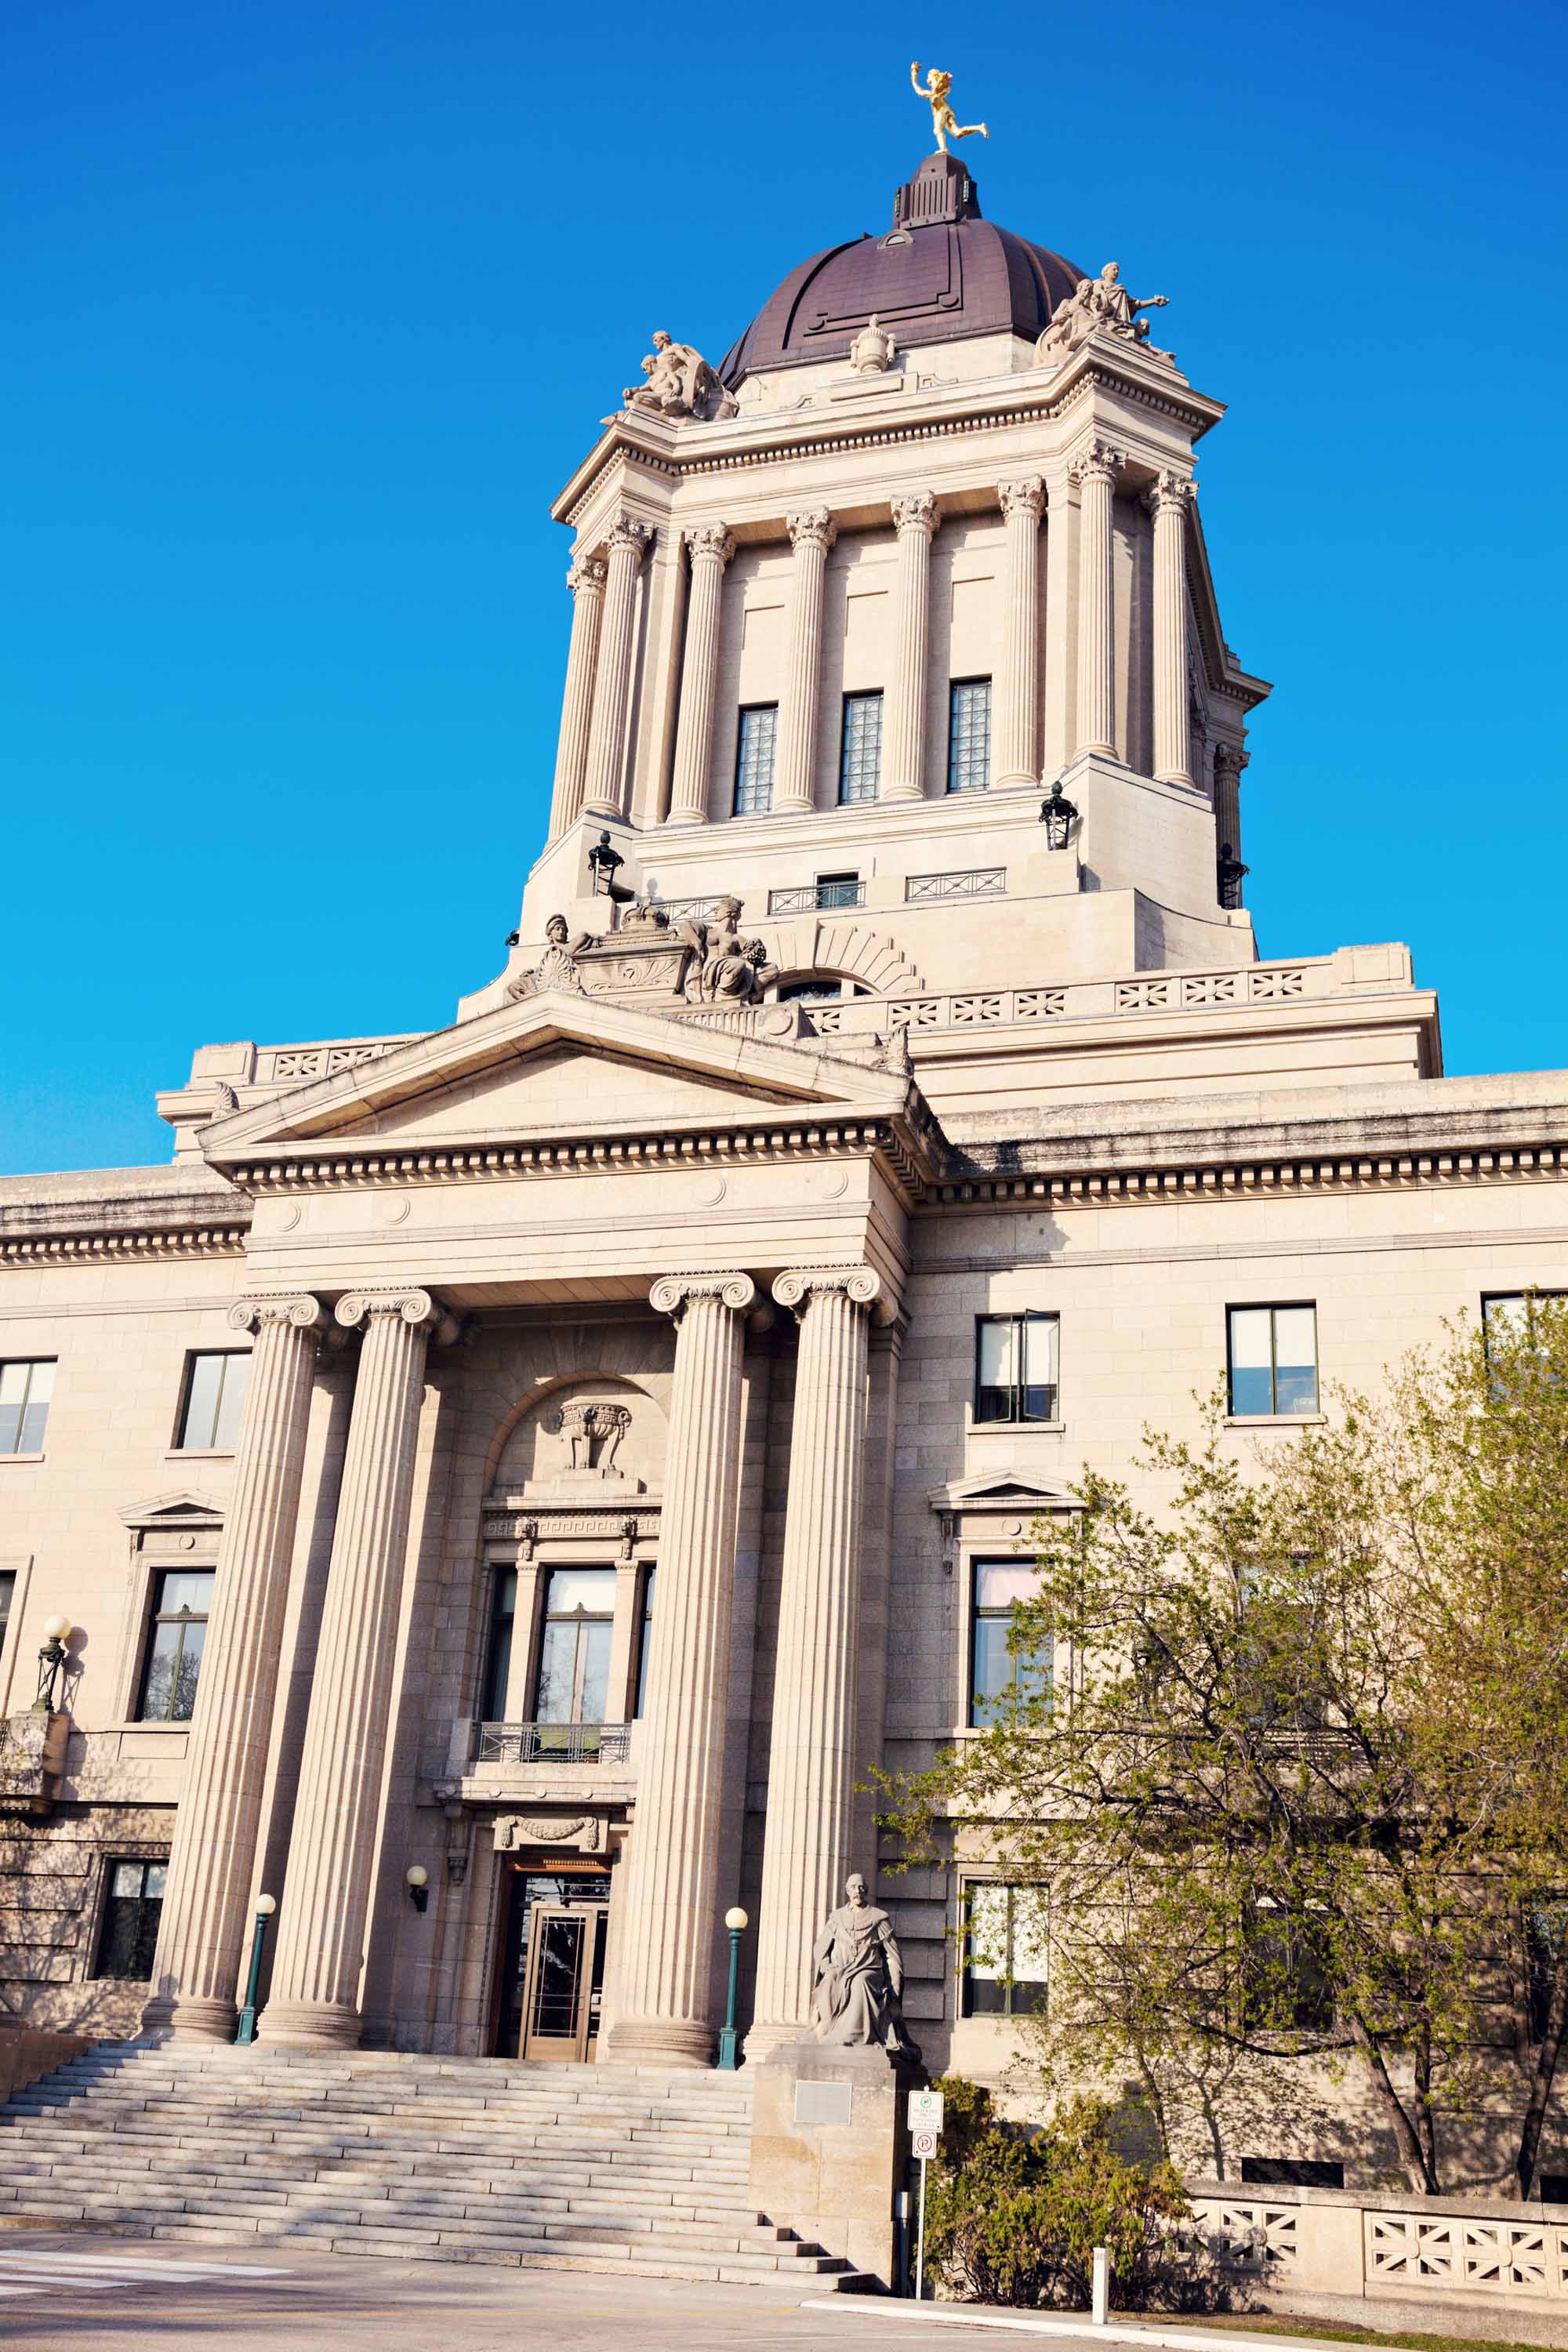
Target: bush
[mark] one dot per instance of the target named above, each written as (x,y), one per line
(1014,2213)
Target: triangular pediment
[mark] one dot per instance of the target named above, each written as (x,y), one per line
(549,1066)
(183,1508)
(1016,1491)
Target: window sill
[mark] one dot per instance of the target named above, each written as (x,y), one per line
(21,1457)
(199,1453)
(1016,1428)
(1275,1420)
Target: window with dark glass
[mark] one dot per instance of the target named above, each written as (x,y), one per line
(645,1638)
(214,1401)
(834,890)
(575,1648)
(131,1909)
(25,1392)
(1545,1925)
(1004,1951)
(969,735)
(1015,1368)
(182,1601)
(755,748)
(809,991)
(498,1645)
(7,1597)
(1273,1359)
(1286,1983)
(1293,2171)
(997,1674)
(860,749)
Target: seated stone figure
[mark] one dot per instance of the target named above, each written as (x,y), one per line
(860,1977)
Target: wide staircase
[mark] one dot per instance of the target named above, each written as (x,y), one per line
(616,2169)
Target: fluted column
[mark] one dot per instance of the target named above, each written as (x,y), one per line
(204,1930)
(587,582)
(322,1918)
(1019,684)
(811,1756)
(673,1859)
(627,542)
(811,535)
(1168,499)
(915,518)
(711,548)
(1095,471)
(1229,759)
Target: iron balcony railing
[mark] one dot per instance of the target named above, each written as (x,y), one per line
(552,1743)
(817,897)
(980,882)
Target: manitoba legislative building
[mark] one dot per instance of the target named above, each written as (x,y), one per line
(501,1493)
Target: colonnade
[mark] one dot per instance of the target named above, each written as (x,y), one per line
(673,1859)
(592,759)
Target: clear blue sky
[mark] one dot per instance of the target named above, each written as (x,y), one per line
(311,310)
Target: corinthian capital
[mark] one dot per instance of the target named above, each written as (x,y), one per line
(627,532)
(711,542)
(305,1313)
(586,577)
(1172,492)
(1230,758)
(1026,496)
(917,512)
(814,527)
(802,1283)
(672,1293)
(1097,461)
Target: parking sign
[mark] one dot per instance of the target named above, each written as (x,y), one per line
(925,2143)
(925,2111)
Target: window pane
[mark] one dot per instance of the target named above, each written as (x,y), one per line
(557,1671)
(34,1417)
(998,1583)
(1510,1311)
(754,760)
(595,1656)
(125,1878)
(25,1391)
(969,736)
(185,1588)
(1251,1359)
(187,1666)
(157,1879)
(647,1644)
(993,1668)
(201,1401)
(860,754)
(8,1596)
(1040,1367)
(158,1682)
(1028,1948)
(1295,1359)
(41,1381)
(592,1589)
(988,1952)
(994,1398)
(498,1657)
(231,1403)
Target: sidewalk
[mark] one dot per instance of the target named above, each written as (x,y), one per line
(1118,2329)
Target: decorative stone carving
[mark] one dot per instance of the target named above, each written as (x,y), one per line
(585,1832)
(557,967)
(680,383)
(1098,461)
(732,969)
(944,123)
(592,1432)
(1025,497)
(673,1293)
(860,1285)
(813,527)
(1097,302)
(873,349)
(918,511)
(305,1313)
(858,1977)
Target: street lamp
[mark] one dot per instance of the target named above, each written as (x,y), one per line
(265,1907)
(737,1922)
(1057,815)
(51,1662)
(416,1878)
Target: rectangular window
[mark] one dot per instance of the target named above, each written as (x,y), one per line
(1015,1368)
(998,1586)
(1544,1927)
(215,1399)
(182,1601)
(131,1910)
(1287,1985)
(25,1392)
(1004,1951)
(1292,2172)
(754,747)
(969,735)
(498,1645)
(1273,1359)
(1510,1310)
(646,1639)
(837,890)
(7,1600)
(574,1653)
(860,749)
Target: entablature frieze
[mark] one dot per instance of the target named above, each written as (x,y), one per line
(529,1525)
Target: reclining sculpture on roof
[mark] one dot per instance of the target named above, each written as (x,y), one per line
(680,383)
(1102,302)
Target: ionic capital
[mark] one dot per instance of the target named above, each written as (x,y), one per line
(813,527)
(305,1313)
(1172,493)
(712,543)
(918,512)
(587,577)
(626,535)
(414,1307)
(1026,496)
(1230,758)
(672,1293)
(1097,461)
(802,1283)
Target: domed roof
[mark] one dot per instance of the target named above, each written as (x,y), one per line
(940,272)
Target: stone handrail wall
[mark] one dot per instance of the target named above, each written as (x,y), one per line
(1357,2242)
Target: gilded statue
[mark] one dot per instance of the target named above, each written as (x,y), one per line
(860,1977)
(944,123)
(678,383)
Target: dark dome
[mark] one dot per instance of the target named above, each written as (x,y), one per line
(940,272)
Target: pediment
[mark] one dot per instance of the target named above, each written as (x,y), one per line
(1011,1491)
(552,1066)
(182,1508)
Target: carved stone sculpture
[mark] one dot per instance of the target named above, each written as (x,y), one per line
(872,350)
(557,967)
(1102,302)
(859,1976)
(732,969)
(680,383)
(593,1433)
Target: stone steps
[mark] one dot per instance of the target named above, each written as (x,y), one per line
(615,2169)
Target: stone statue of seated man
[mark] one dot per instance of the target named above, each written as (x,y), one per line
(859,1976)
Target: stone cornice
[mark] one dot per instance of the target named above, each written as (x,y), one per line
(1160,1181)
(124,1242)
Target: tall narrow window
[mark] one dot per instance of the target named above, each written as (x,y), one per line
(25,1392)
(8,1601)
(969,735)
(754,747)
(646,1642)
(996,1673)
(498,1645)
(131,1910)
(1273,1359)
(1004,1951)
(214,1400)
(182,1601)
(1015,1368)
(575,1652)
(860,748)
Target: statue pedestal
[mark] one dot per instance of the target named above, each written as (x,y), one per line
(830,2147)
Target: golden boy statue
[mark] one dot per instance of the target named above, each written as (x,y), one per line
(944,122)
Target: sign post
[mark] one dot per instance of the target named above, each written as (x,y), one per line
(925,2130)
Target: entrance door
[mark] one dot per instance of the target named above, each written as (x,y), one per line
(566,1980)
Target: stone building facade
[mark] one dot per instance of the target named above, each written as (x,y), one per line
(560,1454)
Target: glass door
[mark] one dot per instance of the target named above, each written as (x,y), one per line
(565,1977)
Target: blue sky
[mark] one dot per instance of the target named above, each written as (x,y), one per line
(312,309)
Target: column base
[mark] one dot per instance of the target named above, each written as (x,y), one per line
(311,2025)
(1173,776)
(687,816)
(1096,750)
(904,792)
(765,2038)
(662,2042)
(192,2020)
(1016,777)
